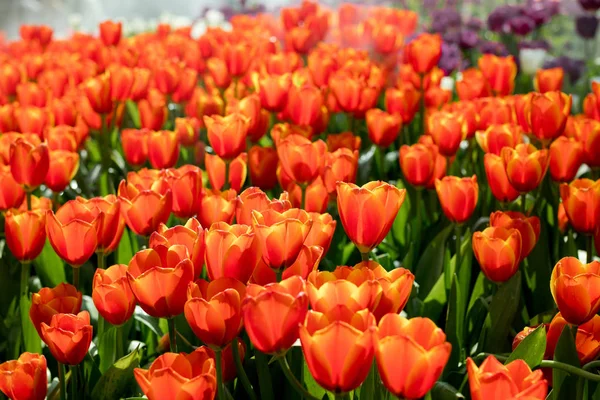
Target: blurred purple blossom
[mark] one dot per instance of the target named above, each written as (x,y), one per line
(468,39)
(489,47)
(590,5)
(451,59)
(573,68)
(499,18)
(444,19)
(474,24)
(534,44)
(586,26)
(521,25)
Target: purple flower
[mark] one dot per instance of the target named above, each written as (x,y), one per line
(521,25)
(468,39)
(586,26)
(534,44)
(474,24)
(451,37)
(590,5)
(445,19)
(489,47)
(499,18)
(451,58)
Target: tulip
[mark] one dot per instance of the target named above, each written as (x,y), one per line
(301,159)
(498,252)
(227,135)
(528,227)
(448,130)
(24,378)
(11,74)
(262,163)
(135,146)
(217,206)
(113,223)
(321,232)
(213,310)
(304,104)
(112,295)
(153,110)
(425,353)
(186,186)
(338,352)
(500,73)
(73,232)
(236,171)
(11,193)
(588,133)
(340,166)
(350,92)
(581,199)
(29,164)
(187,84)
(167,75)
(25,233)
(525,166)
(342,296)
(424,52)
(62,299)
(573,287)
(458,197)
(368,212)
(121,81)
(163,149)
(31,94)
(404,102)
(62,137)
(62,169)
(273,313)
(253,199)
(110,33)
(548,115)
(188,130)
(145,209)
(158,278)
(497,179)
(273,91)
(548,80)
(258,121)
(492,380)
(383,128)
(587,338)
(418,163)
(496,137)
(497,111)
(68,337)
(472,85)
(343,140)
(173,376)
(33,119)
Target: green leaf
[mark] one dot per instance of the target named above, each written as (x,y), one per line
(107,344)
(118,379)
(49,267)
(532,348)
(537,269)
(454,325)
(399,227)
(431,264)
(445,391)
(311,385)
(151,322)
(435,300)
(564,385)
(124,252)
(32,341)
(133,112)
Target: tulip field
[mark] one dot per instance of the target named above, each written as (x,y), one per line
(303,205)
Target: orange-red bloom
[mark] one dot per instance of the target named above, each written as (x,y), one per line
(227,135)
(216,170)
(548,80)
(135,146)
(153,110)
(97,91)
(588,133)
(301,159)
(62,299)
(113,223)
(273,91)
(495,137)
(587,339)
(340,166)
(458,197)
(473,85)
(11,193)
(68,337)
(424,349)
(500,73)
(514,380)
(497,179)
(62,169)
(188,130)
(24,378)
(262,163)
(110,32)
(525,166)
(498,252)
(304,104)
(418,163)
(424,52)
(343,140)
(29,163)
(447,130)
(404,102)
(548,114)
(582,204)
(217,206)
(112,295)
(254,199)
(144,208)
(383,128)
(163,149)
(529,227)
(25,233)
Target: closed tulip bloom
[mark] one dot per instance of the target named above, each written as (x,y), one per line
(528,227)
(167,75)
(304,104)
(215,168)
(213,310)
(145,209)
(24,378)
(217,206)
(472,85)
(238,251)
(113,223)
(425,354)
(383,128)
(343,140)
(500,73)
(588,133)
(11,74)
(254,199)
(153,110)
(250,107)
(97,91)
(424,52)
(191,235)
(110,32)
(348,90)
(163,149)
(158,278)
(342,296)
(135,146)
(448,130)
(497,179)
(112,295)
(179,376)
(525,166)
(73,232)
(227,135)
(575,288)
(62,299)
(25,233)
(121,81)
(494,381)
(188,130)
(495,137)
(62,137)
(404,102)
(498,252)
(62,169)
(549,80)
(32,119)
(273,91)
(68,337)
(262,165)
(321,232)
(340,166)
(458,197)
(587,339)
(11,193)
(339,352)
(581,199)
(186,186)
(368,212)
(31,94)
(301,159)
(548,115)
(418,163)
(273,313)
(566,156)
(187,84)
(29,163)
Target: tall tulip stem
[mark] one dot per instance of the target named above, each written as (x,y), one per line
(241,373)
(173,335)
(302,195)
(226,183)
(62,382)
(590,248)
(74,393)
(570,369)
(101,260)
(120,351)
(524,204)
(28,196)
(285,367)
(219,362)
(458,240)
(76,277)
(364,256)
(264,376)
(24,278)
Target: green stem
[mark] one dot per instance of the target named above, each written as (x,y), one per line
(28,195)
(591,365)
(458,240)
(264,376)
(74,393)
(590,248)
(364,256)
(368,387)
(482,356)
(303,187)
(219,362)
(25,266)
(342,396)
(172,335)
(55,201)
(120,352)
(351,121)
(570,369)
(76,277)
(101,260)
(226,183)
(524,203)
(380,162)
(285,367)
(62,381)
(241,372)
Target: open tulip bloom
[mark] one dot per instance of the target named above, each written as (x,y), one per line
(312,203)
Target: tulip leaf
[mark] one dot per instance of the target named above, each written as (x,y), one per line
(118,378)
(124,252)
(565,385)
(32,341)
(151,322)
(133,112)
(49,267)
(400,226)
(445,391)
(455,324)
(107,344)
(436,300)
(537,269)
(311,385)
(431,264)
(532,348)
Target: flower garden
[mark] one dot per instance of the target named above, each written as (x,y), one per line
(318,204)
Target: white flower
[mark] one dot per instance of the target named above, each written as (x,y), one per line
(532,60)
(214,18)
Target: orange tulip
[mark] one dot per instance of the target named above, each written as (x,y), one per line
(33,119)
(186,87)
(587,339)
(581,199)
(492,380)
(62,137)
(448,130)
(566,156)
(121,81)
(347,90)
(418,163)
(528,227)
(458,197)
(159,277)
(29,163)
(215,168)
(62,299)
(62,169)
(424,52)
(548,80)
(188,130)
(273,313)
(358,207)
(113,223)
(258,121)
(167,75)
(495,137)
(145,208)
(186,186)
(498,252)
(340,166)
(273,91)
(500,73)
(153,110)
(172,376)
(548,115)
(24,378)
(525,166)
(217,206)
(73,232)
(588,133)
(97,92)
(135,145)
(262,164)
(163,149)
(473,85)
(304,104)
(112,295)
(68,337)
(11,193)
(321,232)
(218,72)
(425,353)
(110,33)
(253,199)
(31,94)
(25,233)
(404,102)
(339,352)
(213,310)
(497,179)
(11,74)
(343,140)
(383,128)
(227,135)
(301,159)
